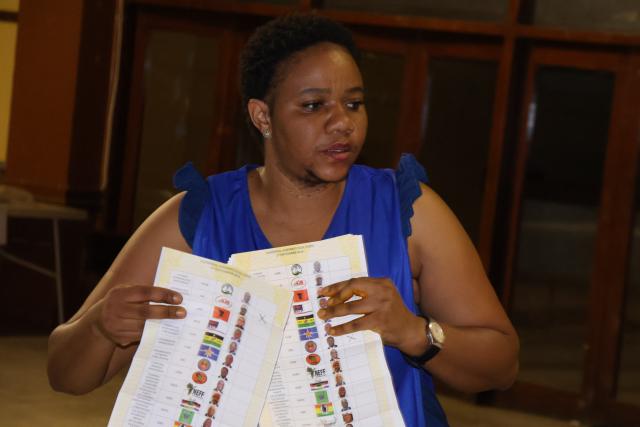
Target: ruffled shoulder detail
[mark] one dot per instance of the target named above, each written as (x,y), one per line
(188,179)
(409,175)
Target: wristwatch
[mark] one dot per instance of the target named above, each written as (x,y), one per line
(435,338)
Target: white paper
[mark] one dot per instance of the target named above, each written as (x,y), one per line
(321,380)
(212,368)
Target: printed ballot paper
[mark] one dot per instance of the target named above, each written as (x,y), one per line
(321,379)
(212,368)
(252,347)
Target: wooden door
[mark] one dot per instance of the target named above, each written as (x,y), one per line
(569,228)
(179,108)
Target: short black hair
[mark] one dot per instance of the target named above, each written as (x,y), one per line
(279,39)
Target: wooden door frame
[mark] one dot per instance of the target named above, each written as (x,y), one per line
(622,167)
(411,132)
(147,21)
(606,294)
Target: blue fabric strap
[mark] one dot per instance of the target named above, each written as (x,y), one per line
(409,175)
(188,179)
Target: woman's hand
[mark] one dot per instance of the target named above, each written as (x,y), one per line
(91,347)
(124,309)
(383,312)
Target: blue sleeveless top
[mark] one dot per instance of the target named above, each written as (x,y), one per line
(217,220)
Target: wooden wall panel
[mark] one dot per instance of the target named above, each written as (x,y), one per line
(59,97)
(43,96)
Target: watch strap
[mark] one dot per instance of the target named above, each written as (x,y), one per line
(430,352)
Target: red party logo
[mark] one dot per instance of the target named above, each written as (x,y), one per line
(199,377)
(313,359)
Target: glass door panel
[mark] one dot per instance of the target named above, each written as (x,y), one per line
(475,10)
(179,110)
(567,133)
(456,146)
(383,75)
(629,371)
(596,15)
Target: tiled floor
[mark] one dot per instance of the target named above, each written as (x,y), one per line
(27,400)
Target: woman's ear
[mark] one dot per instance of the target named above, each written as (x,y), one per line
(259,114)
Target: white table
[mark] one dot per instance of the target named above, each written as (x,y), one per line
(38,210)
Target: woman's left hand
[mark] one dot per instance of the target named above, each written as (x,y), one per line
(383,312)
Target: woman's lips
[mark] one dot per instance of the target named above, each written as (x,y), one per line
(338,151)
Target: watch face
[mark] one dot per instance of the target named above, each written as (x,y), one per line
(437,332)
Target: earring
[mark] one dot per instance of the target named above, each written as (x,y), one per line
(266,133)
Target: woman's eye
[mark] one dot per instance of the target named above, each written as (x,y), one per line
(311,106)
(355,105)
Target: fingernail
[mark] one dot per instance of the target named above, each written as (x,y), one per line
(181,312)
(177,299)
(324,303)
(327,328)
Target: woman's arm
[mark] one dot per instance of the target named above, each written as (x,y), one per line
(102,336)
(481,347)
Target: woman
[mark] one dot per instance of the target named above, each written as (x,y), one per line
(304,95)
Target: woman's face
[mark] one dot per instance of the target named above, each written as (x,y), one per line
(318,119)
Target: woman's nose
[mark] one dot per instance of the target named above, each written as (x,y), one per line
(340,121)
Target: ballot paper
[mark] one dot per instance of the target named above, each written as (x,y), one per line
(212,368)
(321,379)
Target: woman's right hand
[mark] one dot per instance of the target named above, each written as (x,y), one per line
(124,309)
